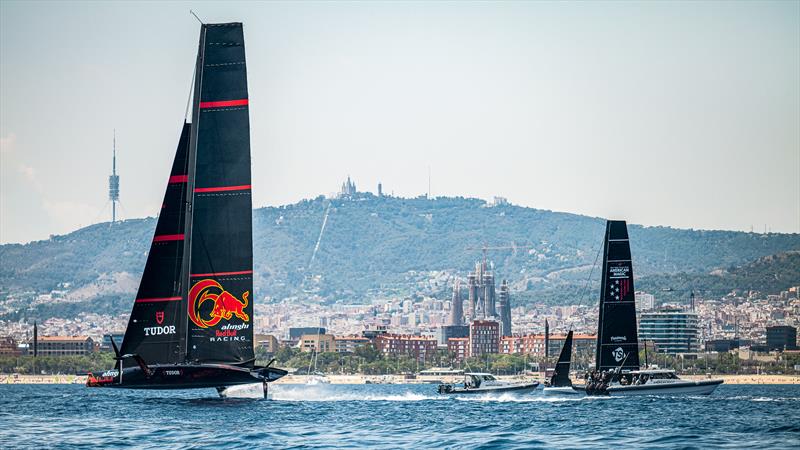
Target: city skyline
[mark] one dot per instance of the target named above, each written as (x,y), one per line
(689,109)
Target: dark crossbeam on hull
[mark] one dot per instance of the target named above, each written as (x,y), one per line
(192,321)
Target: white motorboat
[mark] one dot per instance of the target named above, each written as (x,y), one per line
(486,383)
(317,378)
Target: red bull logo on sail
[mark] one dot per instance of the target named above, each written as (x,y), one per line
(225,304)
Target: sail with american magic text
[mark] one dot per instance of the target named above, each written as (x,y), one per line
(617,338)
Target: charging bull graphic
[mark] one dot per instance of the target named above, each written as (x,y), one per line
(226,305)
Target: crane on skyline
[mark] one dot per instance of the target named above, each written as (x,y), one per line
(485,248)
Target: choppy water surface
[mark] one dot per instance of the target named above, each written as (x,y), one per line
(392,416)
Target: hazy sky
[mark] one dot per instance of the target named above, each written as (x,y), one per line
(684,114)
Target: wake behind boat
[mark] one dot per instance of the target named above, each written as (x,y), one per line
(486,383)
(192,320)
(617,370)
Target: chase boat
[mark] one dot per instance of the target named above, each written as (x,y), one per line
(486,383)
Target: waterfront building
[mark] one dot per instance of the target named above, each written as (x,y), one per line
(484,337)
(458,347)
(295,333)
(534,344)
(672,330)
(418,347)
(722,345)
(451,331)
(9,347)
(65,345)
(106,346)
(317,343)
(510,345)
(349,344)
(782,337)
(645,301)
(373,331)
(267,342)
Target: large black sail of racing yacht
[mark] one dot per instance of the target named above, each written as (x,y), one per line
(617,339)
(220,262)
(192,320)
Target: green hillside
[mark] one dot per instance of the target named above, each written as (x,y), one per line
(770,274)
(375,247)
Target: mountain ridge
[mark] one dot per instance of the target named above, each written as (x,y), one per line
(377,247)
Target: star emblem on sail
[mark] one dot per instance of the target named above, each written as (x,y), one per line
(614,290)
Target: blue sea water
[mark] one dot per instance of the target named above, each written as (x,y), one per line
(393,416)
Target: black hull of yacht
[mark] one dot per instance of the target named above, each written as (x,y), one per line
(196,376)
(682,387)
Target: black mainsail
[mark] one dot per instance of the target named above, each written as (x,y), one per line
(220,251)
(560,376)
(617,339)
(192,320)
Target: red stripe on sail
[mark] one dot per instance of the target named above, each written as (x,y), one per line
(222,274)
(159,299)
(223,103)
(178,179)
(168,237)
(223,188)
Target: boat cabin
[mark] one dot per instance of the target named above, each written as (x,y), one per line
(638,377)
(476,380)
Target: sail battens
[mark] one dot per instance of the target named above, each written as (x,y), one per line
(178,179)
(224,103)
(222,274)
(168,237)
(243,187)
(158,299)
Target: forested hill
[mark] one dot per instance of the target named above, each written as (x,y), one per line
(380,246)
(769,274)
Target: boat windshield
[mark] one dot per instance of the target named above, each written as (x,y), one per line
(475,380)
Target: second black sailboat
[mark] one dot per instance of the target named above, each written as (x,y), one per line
(560,382)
